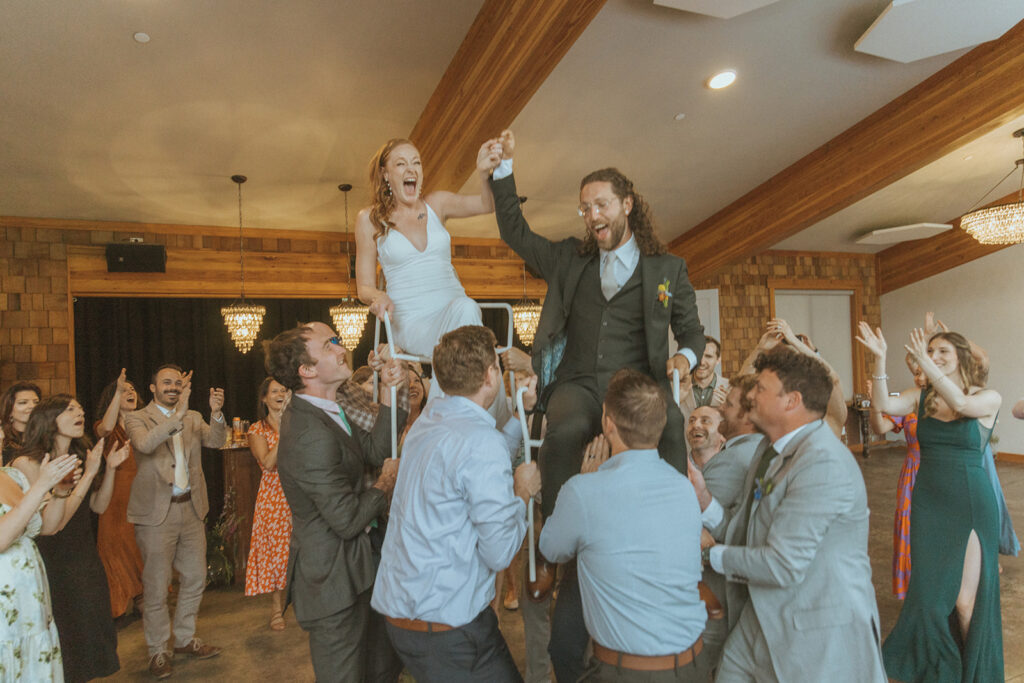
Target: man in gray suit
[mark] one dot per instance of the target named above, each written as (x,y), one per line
(323,457)
(718,480)
(167,505)
(796,551)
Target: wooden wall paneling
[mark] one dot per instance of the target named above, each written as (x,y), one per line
(210,273)
(971,96)
(508,52)
(909,262)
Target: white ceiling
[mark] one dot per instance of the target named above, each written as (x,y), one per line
(298,95)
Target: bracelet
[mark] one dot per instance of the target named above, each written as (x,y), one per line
(66,495)
(880,377)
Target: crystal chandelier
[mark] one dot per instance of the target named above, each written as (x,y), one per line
(1001,224)
(242,319)
(349,316)
(525,316)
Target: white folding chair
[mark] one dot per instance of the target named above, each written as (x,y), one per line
(424,360)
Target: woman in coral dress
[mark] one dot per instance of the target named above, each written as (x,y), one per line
(115,535)
(266,570)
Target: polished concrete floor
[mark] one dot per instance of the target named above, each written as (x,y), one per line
(252,652)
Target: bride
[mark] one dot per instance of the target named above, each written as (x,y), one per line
(424,297)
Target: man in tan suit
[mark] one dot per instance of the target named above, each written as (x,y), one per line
(167,506)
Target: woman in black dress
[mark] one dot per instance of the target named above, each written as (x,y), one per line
(78,584)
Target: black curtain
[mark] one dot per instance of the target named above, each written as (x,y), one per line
(140,334)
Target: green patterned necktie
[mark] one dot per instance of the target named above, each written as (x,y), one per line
(344,420)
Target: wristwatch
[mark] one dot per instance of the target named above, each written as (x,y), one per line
(705,555)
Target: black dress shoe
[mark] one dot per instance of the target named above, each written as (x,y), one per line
(540,589)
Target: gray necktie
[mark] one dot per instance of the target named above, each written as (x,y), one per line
(609,285)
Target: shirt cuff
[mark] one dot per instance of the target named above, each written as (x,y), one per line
(219,419)
(690,356)
(715,558)
(502,170)
(712,515)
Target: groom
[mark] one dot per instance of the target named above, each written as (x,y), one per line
(612,299)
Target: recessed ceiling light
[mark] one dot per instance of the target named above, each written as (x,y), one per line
(141,37)
(968,157)
(679,117)
(722,79)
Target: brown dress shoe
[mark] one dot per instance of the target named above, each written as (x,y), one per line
(541,588)
(197,649)
(160,665)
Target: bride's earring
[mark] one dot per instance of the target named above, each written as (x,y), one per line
(387,188)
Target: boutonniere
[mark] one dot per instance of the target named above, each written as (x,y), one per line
(663,293)
(764,487)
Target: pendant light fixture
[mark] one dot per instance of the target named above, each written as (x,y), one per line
(350,314)
(526,316)
(1001,224)
(242,319)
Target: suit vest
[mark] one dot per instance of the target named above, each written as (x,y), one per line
(604,336)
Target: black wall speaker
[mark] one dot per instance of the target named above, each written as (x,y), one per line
(136,258)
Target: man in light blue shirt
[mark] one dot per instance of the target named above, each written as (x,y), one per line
(458,517)
(634,527)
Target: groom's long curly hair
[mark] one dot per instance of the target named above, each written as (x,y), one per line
(641,224)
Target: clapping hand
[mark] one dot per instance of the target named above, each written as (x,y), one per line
(93,459)
(122,381)
(185,395)
(719,394)
(52,472)
(595,454)
(116,457)
(216,401)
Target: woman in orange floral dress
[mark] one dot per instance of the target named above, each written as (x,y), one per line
(272,519)
(115,535)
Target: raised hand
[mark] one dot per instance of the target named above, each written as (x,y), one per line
(595,454)
(489,156)
(393,374)
(872,341)
(116,457)
(931,325)
(918,346)
(769,340)
(700,487)
(780,327)
(185,395)
(216,400)
(508,143)
(122,381)
(51,472)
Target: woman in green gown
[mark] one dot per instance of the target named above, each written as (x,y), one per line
(950,628)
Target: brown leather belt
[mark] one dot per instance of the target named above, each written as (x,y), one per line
(647,663)
(417,625)
(182,498)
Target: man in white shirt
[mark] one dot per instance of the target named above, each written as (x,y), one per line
(458,517)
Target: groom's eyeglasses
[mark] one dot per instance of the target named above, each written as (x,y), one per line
(600,205)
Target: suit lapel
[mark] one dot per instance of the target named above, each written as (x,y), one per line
(780,464)
(305,406)
(572,281)
(649,273)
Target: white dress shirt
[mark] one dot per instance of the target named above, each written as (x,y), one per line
(455,521)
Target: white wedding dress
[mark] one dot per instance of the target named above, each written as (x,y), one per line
(429,299)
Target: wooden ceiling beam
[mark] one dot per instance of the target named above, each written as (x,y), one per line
(909,262)
(973,95)
(509,51)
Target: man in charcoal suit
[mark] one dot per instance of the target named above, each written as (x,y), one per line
(323,459)
(612,299)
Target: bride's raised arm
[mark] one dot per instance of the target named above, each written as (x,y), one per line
(451,205)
